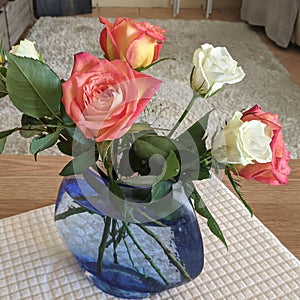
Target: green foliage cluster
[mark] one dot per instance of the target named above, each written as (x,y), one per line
(139,158)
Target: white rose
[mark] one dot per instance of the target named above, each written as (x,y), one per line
(245,142)
(25,49)
(254,142)
(213,67)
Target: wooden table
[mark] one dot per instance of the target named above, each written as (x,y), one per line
(26,185)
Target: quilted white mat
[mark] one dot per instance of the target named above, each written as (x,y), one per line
(35,264)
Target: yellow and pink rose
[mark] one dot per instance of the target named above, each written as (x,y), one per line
(138,43)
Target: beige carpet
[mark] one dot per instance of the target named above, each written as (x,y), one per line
(267,82)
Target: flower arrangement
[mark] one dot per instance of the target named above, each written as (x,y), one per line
(94,117)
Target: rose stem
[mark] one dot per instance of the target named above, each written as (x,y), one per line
(186,111)
(113,235)
(175,262)
(150,219)
(119,233)
(72,211)
(130,258)
(147,257)
(105,234)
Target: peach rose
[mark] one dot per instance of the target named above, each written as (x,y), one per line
(138,43)
(104,98)
(276,171)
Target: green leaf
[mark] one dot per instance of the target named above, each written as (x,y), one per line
(3,90)
(65,117)
(171,167)
(103,147)
(190,166)
(116,197)
(194,137)
(160,190)
(2,144)
(235,184)
(144,149)
(78,140)
(163,143)
(65,148)
(3,71)
(79,164)
(39,144)
(4,134)
(30,127)
(2,52)
(32,86)
(28,120)
(141,181)
(30,131)
(136,127)
(150,152)
(202,210)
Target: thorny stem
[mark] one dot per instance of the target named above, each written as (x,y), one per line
(173,259)
(186,111)
(104,243)
(147,257)
(151,219)
(105,234)
(113,235)
(70,212)
(120,233)
(130,257)
(118,237)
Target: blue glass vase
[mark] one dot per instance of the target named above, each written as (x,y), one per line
(153,250)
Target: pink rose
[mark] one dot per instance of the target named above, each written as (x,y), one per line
(276,171)
(138,43)
(104,98)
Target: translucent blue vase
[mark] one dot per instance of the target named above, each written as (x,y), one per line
(158,251)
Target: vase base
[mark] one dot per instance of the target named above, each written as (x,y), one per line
(115,290)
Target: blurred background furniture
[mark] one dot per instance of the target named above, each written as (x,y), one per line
(4,38)
(62,7)
(205,4)
(281,19)
(296,33)
(15,17)
(176,7)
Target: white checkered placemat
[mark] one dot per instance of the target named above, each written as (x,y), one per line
(35,264)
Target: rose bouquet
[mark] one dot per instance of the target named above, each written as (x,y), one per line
(95,117)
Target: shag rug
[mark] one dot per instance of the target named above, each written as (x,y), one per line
(267,82)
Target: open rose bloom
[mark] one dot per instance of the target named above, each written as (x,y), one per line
(277,170)
(138,43)
(254,143)
(104,98)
